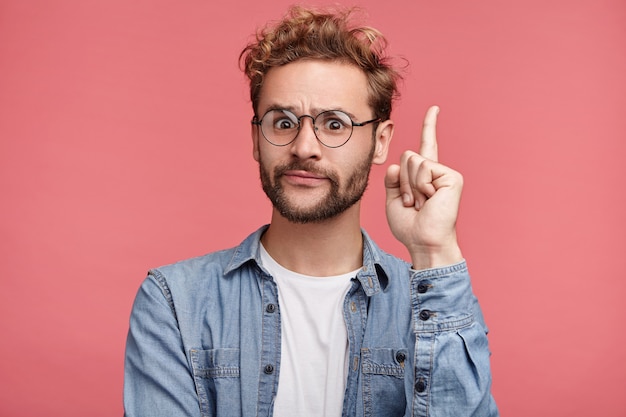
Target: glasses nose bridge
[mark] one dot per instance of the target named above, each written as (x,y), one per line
(306,116)
(312,124)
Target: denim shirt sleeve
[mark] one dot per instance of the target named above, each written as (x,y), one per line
(157,379)
(450,372)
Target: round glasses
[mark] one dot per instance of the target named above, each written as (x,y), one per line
(333,128)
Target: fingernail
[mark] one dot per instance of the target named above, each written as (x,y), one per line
(406,199)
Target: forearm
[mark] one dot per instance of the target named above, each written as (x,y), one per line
(450,373)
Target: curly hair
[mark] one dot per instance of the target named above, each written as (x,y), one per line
(324,35)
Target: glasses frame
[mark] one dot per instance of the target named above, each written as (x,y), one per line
(259,122)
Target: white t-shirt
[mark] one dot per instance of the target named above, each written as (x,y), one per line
(314,342)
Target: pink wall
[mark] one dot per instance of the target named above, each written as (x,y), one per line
(124,144)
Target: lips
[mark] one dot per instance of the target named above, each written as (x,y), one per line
(304,174)
(304,178)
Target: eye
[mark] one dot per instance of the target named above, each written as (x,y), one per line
(282,120)
(334,122)
(334,125)
(281,124)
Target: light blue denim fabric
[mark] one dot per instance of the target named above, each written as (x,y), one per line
(204,340)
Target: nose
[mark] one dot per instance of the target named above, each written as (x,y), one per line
(306,145)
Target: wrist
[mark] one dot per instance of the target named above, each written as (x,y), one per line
(435,257)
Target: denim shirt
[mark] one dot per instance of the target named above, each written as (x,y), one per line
(205,339)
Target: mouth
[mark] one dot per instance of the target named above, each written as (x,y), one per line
(304,174)
(304,178)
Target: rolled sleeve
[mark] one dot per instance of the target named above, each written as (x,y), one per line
(451,370)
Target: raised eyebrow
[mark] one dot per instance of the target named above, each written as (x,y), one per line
(280,107)
(317,111)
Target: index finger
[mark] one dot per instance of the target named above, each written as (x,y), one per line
(428,145)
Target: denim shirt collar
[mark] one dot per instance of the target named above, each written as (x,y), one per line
(372,275)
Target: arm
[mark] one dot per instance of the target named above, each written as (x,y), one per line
(157,378)
(450,372)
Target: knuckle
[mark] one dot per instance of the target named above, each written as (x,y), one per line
(456,176)
(407,156)
(460,178)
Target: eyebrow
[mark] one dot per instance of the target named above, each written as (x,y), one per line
(315,111)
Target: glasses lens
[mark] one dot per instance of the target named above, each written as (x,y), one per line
(333,128)
(279,126)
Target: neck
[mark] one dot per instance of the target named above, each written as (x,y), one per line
(327,248)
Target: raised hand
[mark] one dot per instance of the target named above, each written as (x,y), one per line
(423,199)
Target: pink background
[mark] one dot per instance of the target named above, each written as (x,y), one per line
(124,145)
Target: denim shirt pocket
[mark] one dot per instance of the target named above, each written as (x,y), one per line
(216,375)
(383,381)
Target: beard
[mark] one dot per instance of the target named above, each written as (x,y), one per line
(337,200)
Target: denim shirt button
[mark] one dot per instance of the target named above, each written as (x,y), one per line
(270,308)
(422,288)
(424,315)
(420,385)
(269,369)
(400,357)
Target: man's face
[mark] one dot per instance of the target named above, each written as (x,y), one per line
(306,181)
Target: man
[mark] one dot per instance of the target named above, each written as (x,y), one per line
(308,317)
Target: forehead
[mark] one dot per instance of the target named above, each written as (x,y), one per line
(308,86)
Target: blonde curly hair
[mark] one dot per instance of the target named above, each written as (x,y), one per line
(325,35)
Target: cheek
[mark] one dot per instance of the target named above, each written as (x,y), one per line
(356,156)
(268,157)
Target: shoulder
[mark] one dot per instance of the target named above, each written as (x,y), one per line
(191,268)
(197,271)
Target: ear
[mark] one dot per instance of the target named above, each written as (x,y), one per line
(254,131)
(384,133)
